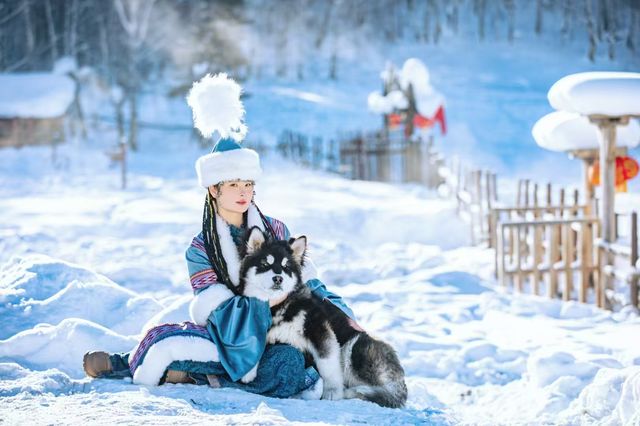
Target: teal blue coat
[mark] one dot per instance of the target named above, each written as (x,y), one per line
(238,325)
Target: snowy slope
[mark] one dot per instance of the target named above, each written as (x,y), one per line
(472,353)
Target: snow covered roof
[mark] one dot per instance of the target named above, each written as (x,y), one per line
(607,93)
(35,95)
(567,131)
(413,72)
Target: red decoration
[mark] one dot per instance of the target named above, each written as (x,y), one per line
(422,122)
(626,169)
(395,120)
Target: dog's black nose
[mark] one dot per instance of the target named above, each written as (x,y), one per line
(277,279)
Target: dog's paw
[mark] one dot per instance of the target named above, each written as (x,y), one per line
(332,393)
(250,376)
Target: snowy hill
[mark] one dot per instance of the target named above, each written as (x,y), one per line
(397,254)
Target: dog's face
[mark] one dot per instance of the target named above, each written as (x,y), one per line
(271,269)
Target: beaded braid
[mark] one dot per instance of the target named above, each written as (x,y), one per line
(266,223)
(212,243)
(212,240)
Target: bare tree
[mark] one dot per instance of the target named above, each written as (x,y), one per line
(538,22)
(609,26)
(510,7)
(634,21)
(590,30)
(453,15)
(480,7)
(134,17)
(53,40)
(567,17)
(28,27)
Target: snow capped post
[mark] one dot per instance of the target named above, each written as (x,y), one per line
(574,134)
(608,100)
(409,98)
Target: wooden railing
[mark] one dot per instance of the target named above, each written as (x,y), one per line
(619,261)
(503,214)
(545,245)
(548,251)
(475,192)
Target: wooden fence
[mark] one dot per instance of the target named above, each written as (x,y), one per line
(541,245)
(546,252)
(372,156)
(619,261)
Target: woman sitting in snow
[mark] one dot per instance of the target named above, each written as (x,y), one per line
(228,334)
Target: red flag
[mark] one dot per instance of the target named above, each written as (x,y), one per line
(423,122)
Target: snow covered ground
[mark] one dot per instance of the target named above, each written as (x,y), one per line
(85,265)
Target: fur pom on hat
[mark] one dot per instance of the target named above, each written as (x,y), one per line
(216,105)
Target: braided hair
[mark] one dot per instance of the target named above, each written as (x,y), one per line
(212,239)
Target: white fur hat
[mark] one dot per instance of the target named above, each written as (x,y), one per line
(215,102)
(228,161)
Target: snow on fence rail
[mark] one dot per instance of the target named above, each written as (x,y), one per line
(548,251)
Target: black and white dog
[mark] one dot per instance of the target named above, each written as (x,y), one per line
(351,363)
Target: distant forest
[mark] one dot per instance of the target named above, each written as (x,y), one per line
(131,41)
(128,46)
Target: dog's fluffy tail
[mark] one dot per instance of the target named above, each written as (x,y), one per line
(392,395)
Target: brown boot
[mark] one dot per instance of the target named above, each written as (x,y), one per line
(96,363)
(175,376)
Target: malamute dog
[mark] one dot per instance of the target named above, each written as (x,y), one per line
(351,363)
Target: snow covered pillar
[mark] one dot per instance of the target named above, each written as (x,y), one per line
(607,139)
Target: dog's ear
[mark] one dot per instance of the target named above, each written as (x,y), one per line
(255,240)
(299,247)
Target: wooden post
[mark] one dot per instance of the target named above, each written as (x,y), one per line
(494,179)
(490,228)
(607,137)
(548,195)
(586,252)
(537,256)
(535,195)
(552,289)
(519,274)
(331,157)
(494,237)
(123,171)
(633,284)
(518,196)
(479,199)
(512,242)
(501,255)
(567,254)
(526,192)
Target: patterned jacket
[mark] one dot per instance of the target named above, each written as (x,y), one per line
(238,324)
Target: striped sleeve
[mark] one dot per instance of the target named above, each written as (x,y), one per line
(201,274)
(280,229)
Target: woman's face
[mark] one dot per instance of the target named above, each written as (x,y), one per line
(233,196)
